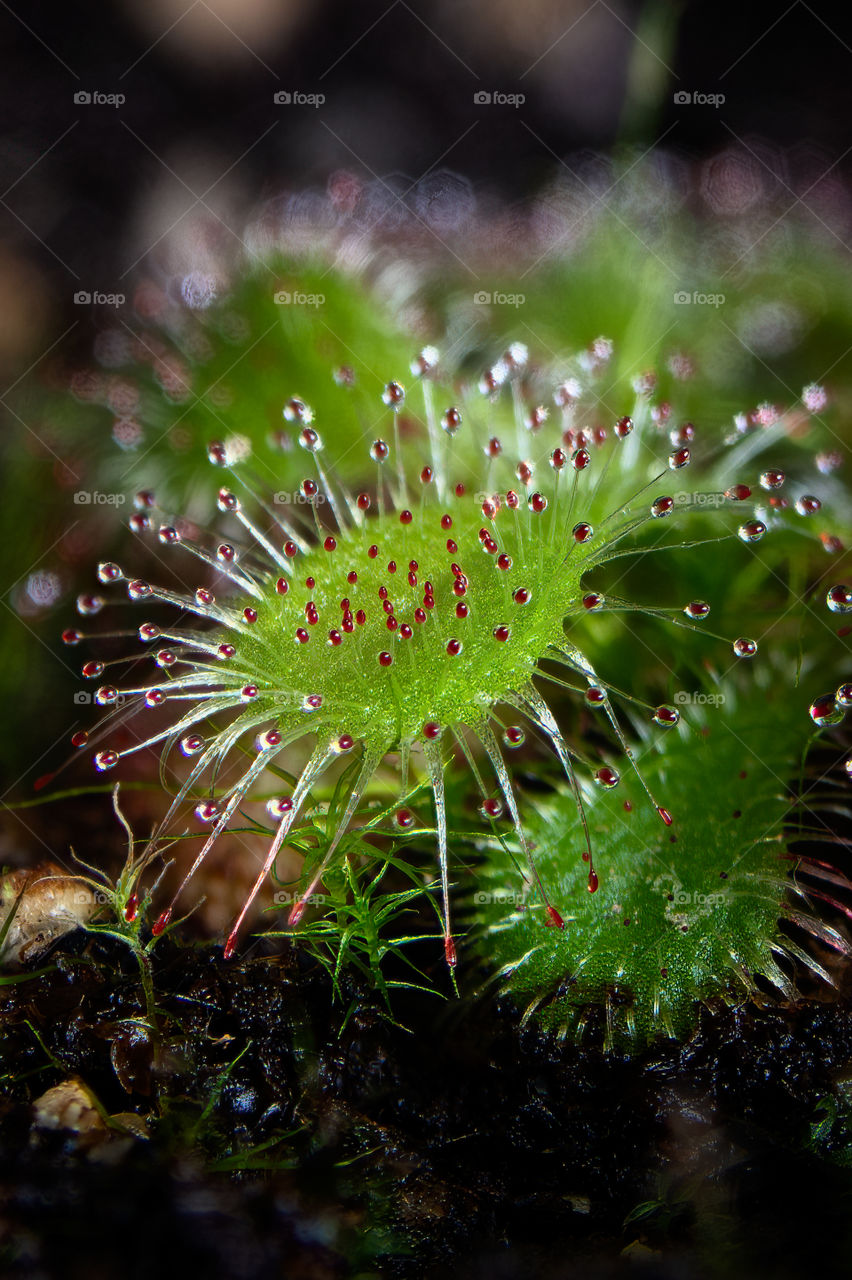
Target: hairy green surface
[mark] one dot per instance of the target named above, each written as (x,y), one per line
(679,916)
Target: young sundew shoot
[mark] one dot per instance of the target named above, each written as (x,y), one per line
(397,620)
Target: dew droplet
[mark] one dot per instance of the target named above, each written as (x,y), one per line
(106,760)
(278,806)
(310,440)
(696,609)
(751,531)
(394,395)
(744,648)
(295,410)
(425,362)
(824,711)
(807,505)
(582,532)
(491,808)
(403,819)
(607,777)
(451,420)
(662,507)
(106,695)
(379,452)
(514,737)
(667,717)
(772,479)
(226,501)
(109,572)
(839,599)
(207,811)
(191,744)
(89,605)
(680,458)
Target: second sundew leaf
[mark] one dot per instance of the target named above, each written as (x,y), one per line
(678,916)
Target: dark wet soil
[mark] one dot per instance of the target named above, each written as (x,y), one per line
(289,1135)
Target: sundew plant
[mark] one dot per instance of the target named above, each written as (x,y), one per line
(433,616)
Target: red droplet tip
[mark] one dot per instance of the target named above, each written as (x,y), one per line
(230,946)
(43,780)
(554,919)
(296,913)
(450,952)
(666,816)
(161,922)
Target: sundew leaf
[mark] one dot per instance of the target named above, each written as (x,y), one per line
(676,916)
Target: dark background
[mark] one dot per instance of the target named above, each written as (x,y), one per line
(399,80)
